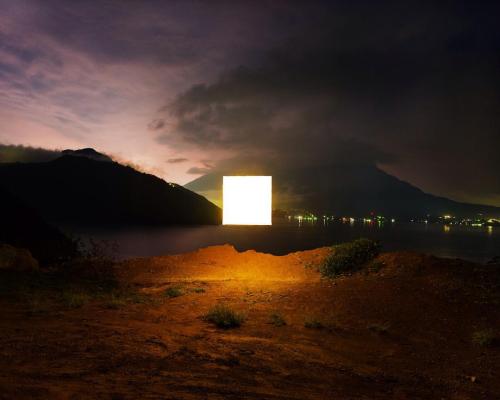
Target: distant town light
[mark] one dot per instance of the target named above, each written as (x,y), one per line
(247,200)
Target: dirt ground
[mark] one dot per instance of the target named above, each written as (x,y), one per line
(409,329)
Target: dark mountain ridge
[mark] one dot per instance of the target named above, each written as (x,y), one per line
(21,226)
(88,153)
(354,190)
(82,189)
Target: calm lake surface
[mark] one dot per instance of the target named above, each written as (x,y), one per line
(473,243)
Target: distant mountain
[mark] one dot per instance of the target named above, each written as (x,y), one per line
(349,190)
(21,226)
(86,187)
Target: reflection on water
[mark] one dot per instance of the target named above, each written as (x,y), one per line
(478,244)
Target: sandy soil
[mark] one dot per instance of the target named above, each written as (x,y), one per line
(403,332)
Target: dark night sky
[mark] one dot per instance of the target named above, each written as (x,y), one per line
(183,88)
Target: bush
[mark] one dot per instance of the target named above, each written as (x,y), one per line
(349,257)
(313,323)
(224,317)
(277,319)
(174,291)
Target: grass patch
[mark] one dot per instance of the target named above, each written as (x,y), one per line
(74,298)
(277,319)
(71,284)
(313,323)
(173,291)
(224,317)
(116,301)
(349,257)
(375,266)
(121,298)
(484,338)
(198,290)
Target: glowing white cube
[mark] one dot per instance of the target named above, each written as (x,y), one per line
(246,200)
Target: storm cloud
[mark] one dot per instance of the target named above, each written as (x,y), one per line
(412,90)
(412,87)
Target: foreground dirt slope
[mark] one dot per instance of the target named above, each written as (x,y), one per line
(402,332)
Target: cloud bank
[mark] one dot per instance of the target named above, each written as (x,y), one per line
(413,91)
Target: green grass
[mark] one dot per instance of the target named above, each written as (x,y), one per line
(349,257)
(173,291)
(313,323)
(484,338)
(198,290)
(277,319)
(224,317)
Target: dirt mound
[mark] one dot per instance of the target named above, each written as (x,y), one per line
(222,263)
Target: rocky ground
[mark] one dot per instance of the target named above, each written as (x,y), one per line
(408,326)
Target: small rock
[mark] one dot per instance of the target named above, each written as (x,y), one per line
(17,259)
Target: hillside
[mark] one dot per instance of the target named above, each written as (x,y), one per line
(80,190)
(22,226)
(349,190)
(415,327)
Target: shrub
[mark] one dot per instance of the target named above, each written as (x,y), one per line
(277,319)
(174,291)
(349,257)
(313,323)
(224,317)
(484,338)
(199,290)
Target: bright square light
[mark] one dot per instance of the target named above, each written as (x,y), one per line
(246,200)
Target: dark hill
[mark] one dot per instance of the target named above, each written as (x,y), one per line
(88,153)
(21,226)
(349,190)
(82,190)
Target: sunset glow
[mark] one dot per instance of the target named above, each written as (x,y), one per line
(247,200)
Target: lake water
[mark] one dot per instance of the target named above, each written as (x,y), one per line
(473,243)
